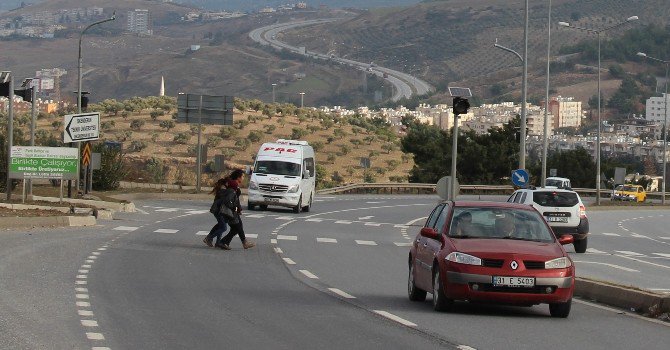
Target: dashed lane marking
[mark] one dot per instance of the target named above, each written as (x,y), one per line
(95,336)
(278,250)
(611,234)
(89,323)
(366,242)
(345,222)
(289,261)
(255,216)
(168,210)
(126,228)
(202,233)
(627,252)
(372,224)
(308,274)
(165,230)
(83,304)
(395,318)
(326,240)
(595,251)
(403,244)
(284,218)
(663,255)
(606,264)
(465,347)
(85,313)
(251,235)
(342,293)
(314,220)
(665,238)
(287,238)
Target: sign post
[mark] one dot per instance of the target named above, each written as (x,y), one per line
(82,127)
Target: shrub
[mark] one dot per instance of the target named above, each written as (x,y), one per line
(137,146)
(136,124)
(182,138)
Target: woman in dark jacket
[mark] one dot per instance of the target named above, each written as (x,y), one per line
(231,200)
(221,226)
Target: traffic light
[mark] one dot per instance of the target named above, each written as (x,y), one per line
(4,89)
(26,94)
(84,101)
(461,105)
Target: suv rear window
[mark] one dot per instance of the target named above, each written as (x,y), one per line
(555,199)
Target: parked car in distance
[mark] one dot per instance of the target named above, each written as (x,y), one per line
(632,193)
(563,210)
(490,252)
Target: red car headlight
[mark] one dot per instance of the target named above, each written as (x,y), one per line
(462,258)
(559,263)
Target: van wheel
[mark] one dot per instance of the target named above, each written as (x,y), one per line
(251,206)
(308,206)
(580,245)
(297,208)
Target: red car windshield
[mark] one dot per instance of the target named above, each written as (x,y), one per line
(499,223)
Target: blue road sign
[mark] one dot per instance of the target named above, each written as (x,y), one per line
(520,178)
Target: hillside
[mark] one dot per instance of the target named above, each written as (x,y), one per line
(157,154)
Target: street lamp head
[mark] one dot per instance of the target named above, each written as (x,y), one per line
(642,54)
(564,24)
(632,18)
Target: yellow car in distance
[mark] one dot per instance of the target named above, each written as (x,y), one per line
(629,193)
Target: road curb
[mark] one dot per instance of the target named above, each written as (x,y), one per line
(47,221)
(628,298)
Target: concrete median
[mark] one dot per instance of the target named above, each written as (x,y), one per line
(628,298)
(46,221)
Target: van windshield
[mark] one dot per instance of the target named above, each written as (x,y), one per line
(555,183)
(277,168)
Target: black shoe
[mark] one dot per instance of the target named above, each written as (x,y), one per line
(223,246)
(208,242)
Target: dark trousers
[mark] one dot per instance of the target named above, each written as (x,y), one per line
(218,229)
(235,229)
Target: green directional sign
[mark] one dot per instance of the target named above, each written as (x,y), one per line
(31,162)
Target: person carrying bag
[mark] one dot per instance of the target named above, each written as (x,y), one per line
(231,209)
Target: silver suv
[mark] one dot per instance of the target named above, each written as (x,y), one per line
(563,210)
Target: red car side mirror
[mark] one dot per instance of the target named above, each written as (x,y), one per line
(566,239)
(430,232)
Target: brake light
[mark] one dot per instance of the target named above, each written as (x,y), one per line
(582,211)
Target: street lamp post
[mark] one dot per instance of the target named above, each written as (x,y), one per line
(302,99)
(598,32)
(273,92)
(543,182)
(522,129)
(665,117)
(81,36)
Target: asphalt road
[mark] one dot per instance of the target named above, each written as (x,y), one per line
(335,278)
(405,84)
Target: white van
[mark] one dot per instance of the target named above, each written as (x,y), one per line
(558,182)
(283,175)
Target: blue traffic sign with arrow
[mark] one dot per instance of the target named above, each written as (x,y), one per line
(520,178)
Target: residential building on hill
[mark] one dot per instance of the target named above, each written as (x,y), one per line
(139,22)
(655,109)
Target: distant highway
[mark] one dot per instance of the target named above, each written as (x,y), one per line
(405,85)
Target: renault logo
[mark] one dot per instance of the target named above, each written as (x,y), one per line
(514,265)
(274,188)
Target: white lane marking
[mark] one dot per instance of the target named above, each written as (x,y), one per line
(194,212)
(366,208)
(202,233)
(365,242)
(342,293)
(314,220)
(95,336)
(82,277)
(126,228)
(287,238)
(465,347)
(663,255)
(255,216)
(664,290)
(594,251)
(395,318)
(251,235)
(83,271)
(344,222)
(308,274)
(375,202)
(101,249)
(284,218)
(89,261)
(606,264)
(92,257)
(644,262)
(86,266)
(169,210)
(627,252)
(81,296)
(96,253)
(89,323)
(142,211)
(289,261)
(83,304)
(366,217)
(611,234)
(273,241)
(403,244)
(637,235)
(400,226)
(80,282)
(165,230)
(81,290)
(372,224)
(85,312)
(100,348)
(326,240)
(665,238)
(416,220)
(278,250)
(618,311)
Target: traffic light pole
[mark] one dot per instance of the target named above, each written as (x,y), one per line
(33,93)
(454,148)
(10,135)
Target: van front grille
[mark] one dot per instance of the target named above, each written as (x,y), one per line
(273,188)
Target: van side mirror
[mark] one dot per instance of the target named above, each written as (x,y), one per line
(305,175)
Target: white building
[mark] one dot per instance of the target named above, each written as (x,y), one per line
(656,107)
(567,112)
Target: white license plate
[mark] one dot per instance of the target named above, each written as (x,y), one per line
(504,281)
(271,199)
(556,219)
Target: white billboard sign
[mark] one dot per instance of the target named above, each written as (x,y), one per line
(81,127)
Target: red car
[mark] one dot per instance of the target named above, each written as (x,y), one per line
(490,252)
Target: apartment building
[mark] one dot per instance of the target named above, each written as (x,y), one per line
(566,111)
(655,107)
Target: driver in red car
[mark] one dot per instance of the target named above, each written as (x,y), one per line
(504,227)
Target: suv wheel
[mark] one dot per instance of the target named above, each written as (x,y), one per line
(580,245)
